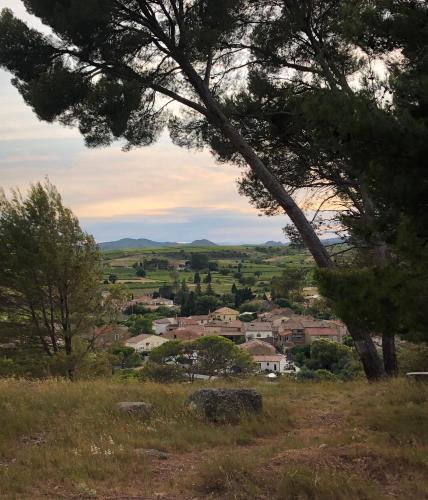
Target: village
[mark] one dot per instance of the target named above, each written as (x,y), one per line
(268,337)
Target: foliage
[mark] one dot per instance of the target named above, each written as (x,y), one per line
(323,357)
(50,274)
(220,356)
(211,356)
(288,284)
(127,357)
(199,261)
(413,358)
(162,373)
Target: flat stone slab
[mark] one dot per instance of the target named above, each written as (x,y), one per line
(226,405)
(135,408)
(418,376)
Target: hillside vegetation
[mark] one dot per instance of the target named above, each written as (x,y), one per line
(60,439)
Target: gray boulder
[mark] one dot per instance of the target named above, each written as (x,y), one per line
(139,408)
(226,405)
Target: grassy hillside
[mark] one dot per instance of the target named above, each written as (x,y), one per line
(314,441)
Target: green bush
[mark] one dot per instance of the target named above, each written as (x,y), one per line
(307,374)
(413,358)
(325,375)
(162,373)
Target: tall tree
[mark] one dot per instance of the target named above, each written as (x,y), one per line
(51,270)
(114,64)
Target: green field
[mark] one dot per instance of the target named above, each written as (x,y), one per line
(269,262)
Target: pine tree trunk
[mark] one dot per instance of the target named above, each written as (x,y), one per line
(389,355)
(366,349)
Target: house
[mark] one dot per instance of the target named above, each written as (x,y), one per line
(215,326)
(258,348)
(149,302)
(202,319)
(184,322)
(291,332)
(183,334)
(232,330)
(160,325)
(316,330)
(225,314)
(110,335)
(259,330)
(271,362)
(145,342)
(304,330)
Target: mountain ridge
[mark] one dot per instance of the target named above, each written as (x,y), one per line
(125,243)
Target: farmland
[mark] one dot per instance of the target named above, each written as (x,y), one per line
(259,263)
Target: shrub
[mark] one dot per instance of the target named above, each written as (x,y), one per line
(307,374)
(325,375)
(413,358)
(162,373)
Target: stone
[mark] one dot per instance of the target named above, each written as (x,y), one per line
(226,405)
(135,408)
(150,452)
(418,376)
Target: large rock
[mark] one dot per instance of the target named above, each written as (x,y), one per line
(226,405)
(135,408)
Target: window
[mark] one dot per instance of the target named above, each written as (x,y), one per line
(267,363)
(259,335)
(274,367)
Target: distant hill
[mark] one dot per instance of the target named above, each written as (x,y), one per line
(202,243)
(333,241)
(126,243)
(273,244)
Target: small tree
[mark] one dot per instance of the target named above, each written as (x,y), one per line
(50,271)
(220,356)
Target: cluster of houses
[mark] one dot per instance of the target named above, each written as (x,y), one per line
(267,338)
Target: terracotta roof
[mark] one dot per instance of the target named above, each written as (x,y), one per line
(264,326)
(183,334)
(225,310)
(293,324)
(138,338)
(270,357)
(258,345)
(102,330)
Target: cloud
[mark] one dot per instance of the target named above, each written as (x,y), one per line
(161,191)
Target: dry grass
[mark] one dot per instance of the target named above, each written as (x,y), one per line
(314,441)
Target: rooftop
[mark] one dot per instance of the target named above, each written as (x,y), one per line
(269,357)
(264,326)
(225,310)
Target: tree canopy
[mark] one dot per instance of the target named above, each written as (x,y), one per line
(50,274)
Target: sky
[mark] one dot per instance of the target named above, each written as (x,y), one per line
(161,192)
